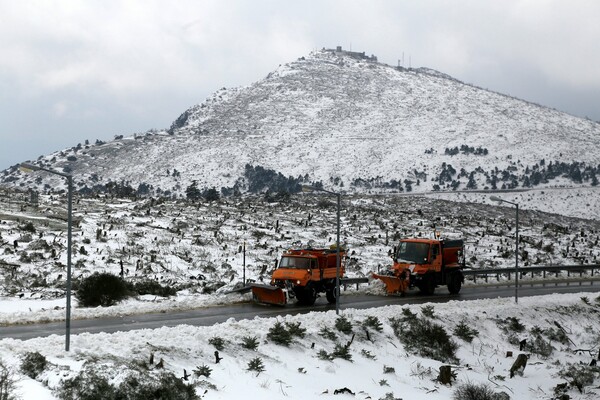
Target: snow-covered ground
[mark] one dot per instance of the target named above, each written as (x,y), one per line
(579,202)
(196,248)
(380,365)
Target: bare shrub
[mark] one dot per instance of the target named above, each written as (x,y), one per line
(33,364)
(423,337)
(8,388)
(473,391)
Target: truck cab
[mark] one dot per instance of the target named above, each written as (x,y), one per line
(418,255)
(303,274)
(425,264)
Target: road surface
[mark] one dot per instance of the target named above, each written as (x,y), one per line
(216,314)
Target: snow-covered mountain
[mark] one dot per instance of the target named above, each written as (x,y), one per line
(347,121)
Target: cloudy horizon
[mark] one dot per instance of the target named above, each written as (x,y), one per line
(74,71)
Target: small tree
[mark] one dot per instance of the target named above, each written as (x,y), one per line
(250,342)
(33,364)
(472,391)
(8,387)
(101,289)
(280,335)
(212,194)
(256,364)
(192,192)
(343,325)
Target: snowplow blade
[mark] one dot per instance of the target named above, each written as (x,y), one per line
(268,294)
(392,283)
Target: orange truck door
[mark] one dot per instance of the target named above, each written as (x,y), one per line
(436,257)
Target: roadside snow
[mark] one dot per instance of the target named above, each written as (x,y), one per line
(297,371)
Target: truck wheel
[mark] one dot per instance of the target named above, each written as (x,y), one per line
(306,295)
(428,285)
(454,283)
(330,294)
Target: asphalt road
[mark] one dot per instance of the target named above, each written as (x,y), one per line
(212,315)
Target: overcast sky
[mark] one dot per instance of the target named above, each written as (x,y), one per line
(77,70)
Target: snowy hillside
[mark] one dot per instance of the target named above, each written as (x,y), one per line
(350,123)
(386,353)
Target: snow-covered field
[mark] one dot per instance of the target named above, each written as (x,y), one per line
(196,248)
(563,331)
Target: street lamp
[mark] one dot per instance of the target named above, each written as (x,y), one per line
(498,199)
(337,243)
(26,167)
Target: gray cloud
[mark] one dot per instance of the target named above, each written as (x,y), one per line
(72,71)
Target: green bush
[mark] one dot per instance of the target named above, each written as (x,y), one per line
(279,335)
(33,364)
(511,324)
(472,391)
(465,332)
(428,311)
(28,227)
(165,386)
(101,289)
(341,351)
(328,333)
(423,337)
(408,315)
(87,385)
(580,375)
(256,364)
(295,330)
(323,355)
(373,322)
(90,384)
(537,344)
(343,325)
(217,342)
(250,342)
(151,287)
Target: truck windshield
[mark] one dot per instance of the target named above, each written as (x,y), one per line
(295,262)
(412,252)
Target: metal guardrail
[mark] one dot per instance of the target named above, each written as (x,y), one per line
(535,271)
(353,281)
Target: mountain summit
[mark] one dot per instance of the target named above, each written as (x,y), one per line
(351,123)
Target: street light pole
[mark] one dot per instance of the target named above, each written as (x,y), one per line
(337,242)
(26,167)
(337,257)
(500,200)
(69,253)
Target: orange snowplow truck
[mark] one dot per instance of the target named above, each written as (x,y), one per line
(425,264)
(302,274)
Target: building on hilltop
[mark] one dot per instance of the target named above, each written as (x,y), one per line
(354,54)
